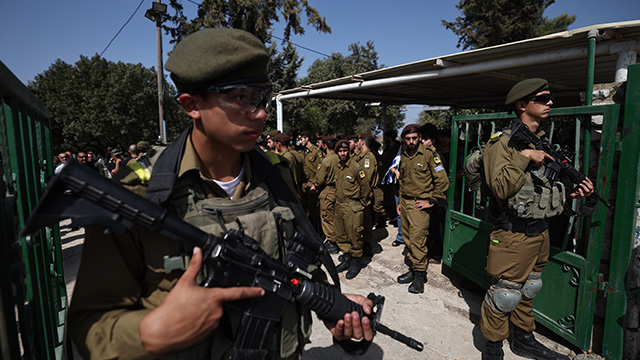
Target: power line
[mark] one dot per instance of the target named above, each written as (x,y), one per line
(140,4)
(125,24)
(303,47)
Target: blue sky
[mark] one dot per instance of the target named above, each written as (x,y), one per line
(34,33)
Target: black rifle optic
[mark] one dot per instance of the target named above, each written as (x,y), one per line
(234,259)
(562,158)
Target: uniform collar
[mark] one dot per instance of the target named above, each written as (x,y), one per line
(191,161)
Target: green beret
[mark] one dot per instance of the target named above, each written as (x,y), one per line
(342,143)
(143,144)
(281,137)
(526,88)
(217,56)
(410,129)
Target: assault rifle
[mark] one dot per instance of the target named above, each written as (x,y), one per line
(562,158)
(233,259)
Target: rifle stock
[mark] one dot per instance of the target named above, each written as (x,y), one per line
(87,198)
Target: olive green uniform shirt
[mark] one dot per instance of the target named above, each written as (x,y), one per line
(504,167)
(352,183)
(295,164)
(312,159)
(422,175)
(326,174)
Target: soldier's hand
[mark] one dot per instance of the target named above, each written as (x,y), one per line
(536,156)
(189,312)
(352,326)
(583,190)
(423,204)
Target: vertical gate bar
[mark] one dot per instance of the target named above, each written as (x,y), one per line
(596,233)
(624,230)
(466,151)
(453,156)
(10,345)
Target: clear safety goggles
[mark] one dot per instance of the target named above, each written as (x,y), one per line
(243,97)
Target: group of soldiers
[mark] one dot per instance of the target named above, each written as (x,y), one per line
(338,180)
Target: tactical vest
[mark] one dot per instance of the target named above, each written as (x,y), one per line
(259,214)
(537,200)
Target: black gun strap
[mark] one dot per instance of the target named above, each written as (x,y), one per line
(165,170)
(286,198)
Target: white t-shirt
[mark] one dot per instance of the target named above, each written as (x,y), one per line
(231,186)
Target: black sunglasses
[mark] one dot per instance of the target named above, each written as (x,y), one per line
(544,98)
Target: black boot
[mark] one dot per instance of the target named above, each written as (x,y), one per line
(493,351)
(417,286)
(367,250)
(331,247)
(344,265)
(525,344)
(354,268)
(406,277)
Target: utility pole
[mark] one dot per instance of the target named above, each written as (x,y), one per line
(155,14)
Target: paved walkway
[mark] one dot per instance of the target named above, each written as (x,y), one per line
(444,318)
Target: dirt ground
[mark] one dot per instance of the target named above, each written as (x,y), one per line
(445,318)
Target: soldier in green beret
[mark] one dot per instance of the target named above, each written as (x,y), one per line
(423,181)
(136,295)
(519,247)
(353,195)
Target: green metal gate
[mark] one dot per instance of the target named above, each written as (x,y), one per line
(34,299)
(572,278)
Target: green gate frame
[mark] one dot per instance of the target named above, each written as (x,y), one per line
(566,304)
(32,273)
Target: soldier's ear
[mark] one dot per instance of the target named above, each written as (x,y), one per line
(520,105)
(189,103)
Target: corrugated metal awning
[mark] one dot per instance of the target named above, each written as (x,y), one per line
(481,78)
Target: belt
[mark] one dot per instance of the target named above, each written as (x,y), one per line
(342,201)
(413,198)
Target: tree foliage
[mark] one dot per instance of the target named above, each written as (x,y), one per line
(342,116)
(254,16)
(96,103)
(550,26)
(493,22)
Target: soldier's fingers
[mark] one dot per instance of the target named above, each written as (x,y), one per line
(194,266)
(238,293)
(366,327)
(348,326)
(356,326)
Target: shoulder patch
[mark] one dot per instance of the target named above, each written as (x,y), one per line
(436,159)
(367,163)
(361,172)
(495,137)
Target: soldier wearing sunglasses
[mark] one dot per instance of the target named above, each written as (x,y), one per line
(136,295)
(519,242)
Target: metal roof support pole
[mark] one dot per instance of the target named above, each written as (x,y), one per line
(625,58)
(591,61)
(280,116)
(586,133)
(384,118)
